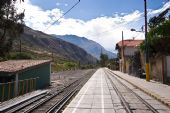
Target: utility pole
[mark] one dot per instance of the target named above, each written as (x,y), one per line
(146,45)
(123,54)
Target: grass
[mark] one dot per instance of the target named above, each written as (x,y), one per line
(64,66)
(58,63)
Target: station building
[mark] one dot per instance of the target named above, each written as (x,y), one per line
(18,77)
(126,51)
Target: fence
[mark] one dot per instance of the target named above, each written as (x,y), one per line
(8,90)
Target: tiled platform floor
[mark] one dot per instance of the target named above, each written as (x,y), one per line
(96,96)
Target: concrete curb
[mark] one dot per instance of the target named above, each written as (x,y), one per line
(153,94)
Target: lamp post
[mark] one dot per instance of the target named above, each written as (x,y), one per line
(136,31)
(146,45)
(123,55)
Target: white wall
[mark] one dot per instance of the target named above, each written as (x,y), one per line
(129,51)
(168,66)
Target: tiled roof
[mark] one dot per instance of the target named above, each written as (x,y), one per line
(18,65)
(130,43)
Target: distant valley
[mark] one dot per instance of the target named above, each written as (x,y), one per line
(90,46)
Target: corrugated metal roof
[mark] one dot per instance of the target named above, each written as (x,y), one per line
(130,43)
(18,65)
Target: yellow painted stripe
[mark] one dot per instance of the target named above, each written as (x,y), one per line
(35,84)
(23,85)
(9,90)
(3,91)
(26,86)
(147,73)
(18,88)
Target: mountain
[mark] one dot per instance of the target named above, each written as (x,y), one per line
(36,40)
(90,46)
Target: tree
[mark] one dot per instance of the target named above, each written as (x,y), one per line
(103,59)
(159,34)
(3,2)
(156,20)
(11,25)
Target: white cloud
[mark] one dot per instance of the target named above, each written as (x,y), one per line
(37,18)
(58,4)
(104,30)
(165,6)
(66,5)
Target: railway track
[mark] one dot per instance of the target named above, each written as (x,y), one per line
(132,102)
(24,104)
(53,102)
(57,103)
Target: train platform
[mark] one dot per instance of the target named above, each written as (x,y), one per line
(99,96)
(96,96)
(157,90)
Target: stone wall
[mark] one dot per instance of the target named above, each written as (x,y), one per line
(157,68)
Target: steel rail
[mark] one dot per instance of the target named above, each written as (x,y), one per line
(23,104)
(59,106)
(62,102)
(123,101)
(47,99)
(140,98)
(75,83)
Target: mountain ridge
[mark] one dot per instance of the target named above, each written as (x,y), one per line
(39,40)
(92,47)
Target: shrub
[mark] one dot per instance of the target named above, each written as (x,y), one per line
(21,56)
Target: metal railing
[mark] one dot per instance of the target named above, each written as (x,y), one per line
(8,90)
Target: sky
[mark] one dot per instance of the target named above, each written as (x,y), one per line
(99,20)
